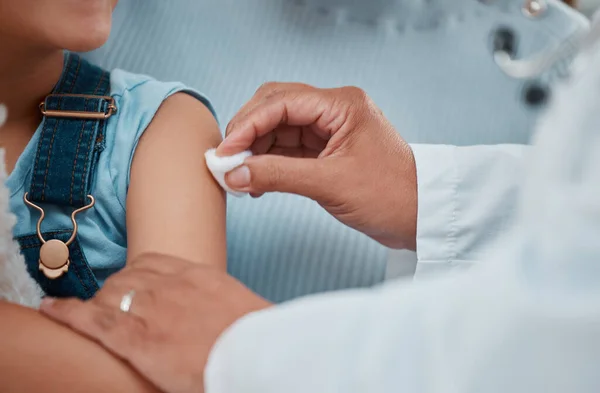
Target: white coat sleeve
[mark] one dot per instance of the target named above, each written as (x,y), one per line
(491,329)
(467,197)
(350,342)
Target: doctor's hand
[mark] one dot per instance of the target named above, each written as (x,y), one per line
(333,146)
(177,313)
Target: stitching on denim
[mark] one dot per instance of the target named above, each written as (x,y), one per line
(37,157)
(85,287)
(43,198)
(64,77)
(49,155)
(29,246)
(99,83)
(29,238)
(86,169)
(86,166)
(84,265)
(74,81)
(83,124)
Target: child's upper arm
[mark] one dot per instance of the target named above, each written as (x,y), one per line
(173,204)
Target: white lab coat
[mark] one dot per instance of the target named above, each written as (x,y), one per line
(525,318)
(467,198)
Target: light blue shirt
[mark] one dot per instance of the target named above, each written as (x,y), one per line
(102,230)
(525,318)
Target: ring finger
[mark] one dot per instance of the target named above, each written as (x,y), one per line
(130,294)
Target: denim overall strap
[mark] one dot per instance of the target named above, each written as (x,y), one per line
(72,135)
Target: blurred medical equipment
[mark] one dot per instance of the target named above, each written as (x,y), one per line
(537,64)
(429,65)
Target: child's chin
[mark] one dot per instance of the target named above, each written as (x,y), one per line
(92,38)
(87,46)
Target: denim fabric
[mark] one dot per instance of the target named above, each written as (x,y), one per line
(68,148)
(67,151)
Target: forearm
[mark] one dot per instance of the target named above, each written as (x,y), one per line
(37,352)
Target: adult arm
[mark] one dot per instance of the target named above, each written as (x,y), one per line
(38,354)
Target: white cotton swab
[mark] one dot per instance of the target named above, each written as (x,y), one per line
(220,166)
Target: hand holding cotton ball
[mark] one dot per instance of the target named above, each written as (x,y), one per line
(220,166)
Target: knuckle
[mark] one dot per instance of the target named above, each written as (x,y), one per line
(358,97)
(275,95)
(360,107)
(267,87)
(356,94)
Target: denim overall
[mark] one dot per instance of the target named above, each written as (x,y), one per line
(71,140)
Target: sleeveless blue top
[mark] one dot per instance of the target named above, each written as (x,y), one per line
(102,233)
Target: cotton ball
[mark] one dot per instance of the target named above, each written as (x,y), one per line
(220,166)
(3,114)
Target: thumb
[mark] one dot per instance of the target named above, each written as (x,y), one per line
(309,177)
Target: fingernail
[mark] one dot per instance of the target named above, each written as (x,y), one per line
(47,302)
(239,177)
(223,150)
(220,147)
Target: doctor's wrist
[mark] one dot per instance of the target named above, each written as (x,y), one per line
(408,207)
(399,204)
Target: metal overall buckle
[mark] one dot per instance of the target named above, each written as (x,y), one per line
(54,258)
(54,254)
(111,108)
